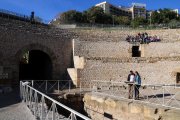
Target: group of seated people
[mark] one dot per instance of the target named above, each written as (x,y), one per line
(142,38)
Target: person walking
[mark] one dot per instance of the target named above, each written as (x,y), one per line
(137,80)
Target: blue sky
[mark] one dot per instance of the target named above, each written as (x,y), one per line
(48,9)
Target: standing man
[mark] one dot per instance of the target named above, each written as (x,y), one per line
(130,84)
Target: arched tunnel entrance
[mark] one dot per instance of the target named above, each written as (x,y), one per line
(35,65)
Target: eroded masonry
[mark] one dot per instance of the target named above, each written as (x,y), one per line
(97,54)
(105,55)
(29,51)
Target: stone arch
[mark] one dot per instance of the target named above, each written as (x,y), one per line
(36,47)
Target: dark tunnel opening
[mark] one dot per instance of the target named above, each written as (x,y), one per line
(136,52)
(35,65)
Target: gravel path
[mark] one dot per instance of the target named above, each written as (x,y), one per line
(11,108)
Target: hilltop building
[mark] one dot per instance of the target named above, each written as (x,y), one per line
(176,11)
(136,9)
(115,10)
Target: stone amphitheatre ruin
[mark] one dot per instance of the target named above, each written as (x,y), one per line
(85,55)
(94,54)
(107,56)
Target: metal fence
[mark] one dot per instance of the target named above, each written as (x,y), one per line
(13,15)
(45,108)
(50,86)
(156,94)
(114,27)
(88,25)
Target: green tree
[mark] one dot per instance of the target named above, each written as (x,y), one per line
(155,17)
(123,20)
(69,17)
(95,15)
(107,19)
(163,16)
(136,22)
(174,23)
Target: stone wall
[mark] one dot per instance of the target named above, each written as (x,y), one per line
(113,61)
(94,47)
(123,49)
(161,72)
(105,108)
(162,49)
(116,35)
(17,37)
(102,49)
(109,57)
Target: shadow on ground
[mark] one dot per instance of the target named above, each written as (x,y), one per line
(7,99)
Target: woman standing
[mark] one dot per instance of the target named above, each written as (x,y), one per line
(137,85)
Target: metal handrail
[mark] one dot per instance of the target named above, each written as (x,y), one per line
(54,101)
(166,95)
(44,85)
(13,13)
(123,82)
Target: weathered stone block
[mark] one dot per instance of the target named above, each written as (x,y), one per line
(136,108)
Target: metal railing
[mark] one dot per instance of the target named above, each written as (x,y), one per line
(155,94)
(49,86)
(45,108)
(4,76)
(117,26)
(13,15)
